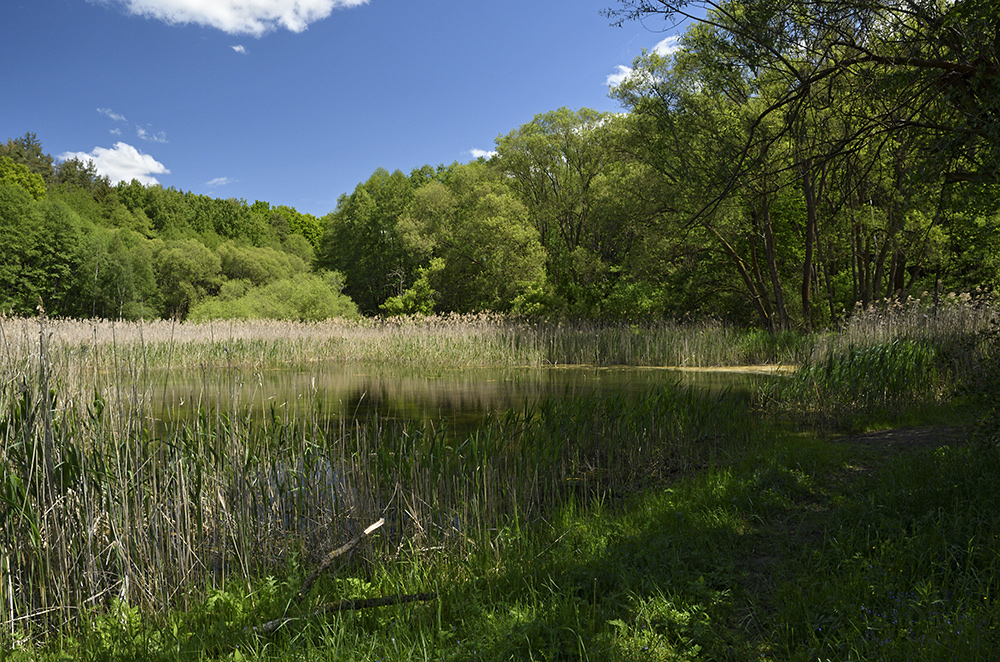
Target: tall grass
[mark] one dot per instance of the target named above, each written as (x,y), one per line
(891,358)
(104,503)
(858,385)
(81,348)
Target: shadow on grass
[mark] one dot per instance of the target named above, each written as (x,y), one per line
(684,572)
(789,556)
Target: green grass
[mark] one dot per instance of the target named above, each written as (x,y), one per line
(669,526)
(789,553)
(780,556)
(910,571)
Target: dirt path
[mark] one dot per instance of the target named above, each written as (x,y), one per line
(883,445)
(903,439)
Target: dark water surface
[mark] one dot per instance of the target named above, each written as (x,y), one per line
(460,398)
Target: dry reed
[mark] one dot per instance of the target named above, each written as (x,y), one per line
(102,501)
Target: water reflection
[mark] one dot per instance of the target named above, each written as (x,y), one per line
(460,398)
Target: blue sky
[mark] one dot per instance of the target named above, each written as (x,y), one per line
(297,101)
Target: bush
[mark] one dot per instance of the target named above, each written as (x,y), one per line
(304,297)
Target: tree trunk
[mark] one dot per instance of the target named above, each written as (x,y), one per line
(770,252)
(808,189)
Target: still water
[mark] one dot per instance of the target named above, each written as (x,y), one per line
(460,398)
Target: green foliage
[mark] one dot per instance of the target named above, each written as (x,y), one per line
(289,222)
(301,296)
(41,253)
(54,258)
(970,258)
(298,246)
(556,164)
(117,276)
(27,151)
(16,205)
(76,174)
(362,240)
(18,174)
(489,251)
(419,298)
(258,265)
(187,272)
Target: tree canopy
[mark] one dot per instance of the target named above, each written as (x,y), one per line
(789,161)
(923,68)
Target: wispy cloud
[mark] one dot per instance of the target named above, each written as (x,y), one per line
(622,72)
(143,134)
(663,48)
(238,16)
(668,46)
(240,48)
(107,112)
(482,153)
(121,163)
(115,131)
(219,181)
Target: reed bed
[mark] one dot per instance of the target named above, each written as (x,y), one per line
(856,385)
(950,322)
(76,347)
(105,504)
(481,340)
(891,358)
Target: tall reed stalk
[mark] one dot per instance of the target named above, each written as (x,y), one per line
(103,502)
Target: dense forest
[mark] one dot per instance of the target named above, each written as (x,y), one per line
(778,177)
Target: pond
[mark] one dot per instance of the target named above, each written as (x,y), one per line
(460,398)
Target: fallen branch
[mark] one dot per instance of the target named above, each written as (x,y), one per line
(368,603)
(343,605)
(327,561)
(331,557)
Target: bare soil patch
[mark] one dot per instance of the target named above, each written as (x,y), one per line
(899,440)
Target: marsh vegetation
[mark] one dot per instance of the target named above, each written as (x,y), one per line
(587,523)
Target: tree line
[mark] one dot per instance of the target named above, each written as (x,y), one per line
(78,246)
(791,160)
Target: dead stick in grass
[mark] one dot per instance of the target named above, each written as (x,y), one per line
(331,557)
(327,561)
(345,605)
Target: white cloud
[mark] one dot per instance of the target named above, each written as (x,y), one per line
(143,134)
(668,46)
(619,76)
(253,17)
(482,153)
(122,163)
(115,131)
(240,48)
(219,181)
(664,48)
(107,112)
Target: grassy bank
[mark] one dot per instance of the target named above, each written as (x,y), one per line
(674,525)
(806,548)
